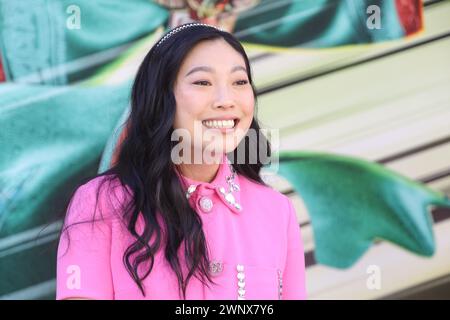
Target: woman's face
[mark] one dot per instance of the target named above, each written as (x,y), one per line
(212,84)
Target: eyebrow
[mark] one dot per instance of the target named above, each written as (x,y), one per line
(209,69)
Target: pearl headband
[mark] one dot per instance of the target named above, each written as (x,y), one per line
(184,26)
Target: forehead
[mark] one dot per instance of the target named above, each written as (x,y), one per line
(217,54)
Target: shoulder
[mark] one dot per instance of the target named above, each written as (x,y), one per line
(99,197)
(265,194)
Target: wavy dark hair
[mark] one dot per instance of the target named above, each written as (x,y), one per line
(144,164)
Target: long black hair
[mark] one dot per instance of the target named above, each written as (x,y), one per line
(144,164)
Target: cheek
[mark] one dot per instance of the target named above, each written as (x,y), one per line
(248,109)
(187,110)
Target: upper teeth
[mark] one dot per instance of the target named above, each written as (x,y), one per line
(219,123)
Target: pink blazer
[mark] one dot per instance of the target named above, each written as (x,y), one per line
(256,252)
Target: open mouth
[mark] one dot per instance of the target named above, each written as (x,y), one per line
(221,124)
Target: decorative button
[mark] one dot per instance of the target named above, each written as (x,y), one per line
(215,267)
(206,204)
(241,283)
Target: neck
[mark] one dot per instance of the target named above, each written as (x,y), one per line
(204,172)
(199,172)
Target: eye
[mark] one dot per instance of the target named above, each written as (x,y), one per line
(243,82)
(201,81)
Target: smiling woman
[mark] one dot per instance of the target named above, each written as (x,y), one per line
(211,228)
(212,89)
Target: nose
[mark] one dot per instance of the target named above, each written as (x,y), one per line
(224,98)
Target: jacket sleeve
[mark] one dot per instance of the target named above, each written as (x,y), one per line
(83,259)
(294,275)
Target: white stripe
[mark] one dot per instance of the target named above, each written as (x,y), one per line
(74,65)
(45,95)
(262,26)
(29,235)
(29,245)
(33,292)
(262,8)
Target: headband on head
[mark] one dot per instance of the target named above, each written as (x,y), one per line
(184,26)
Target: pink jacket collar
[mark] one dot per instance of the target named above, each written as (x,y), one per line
(219,185)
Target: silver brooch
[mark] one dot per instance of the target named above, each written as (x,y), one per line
(232,187)
(215,267)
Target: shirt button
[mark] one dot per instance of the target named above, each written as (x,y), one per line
(206,204)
